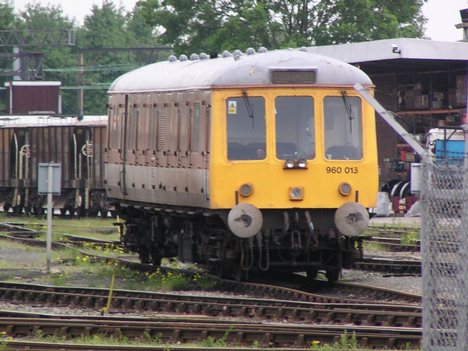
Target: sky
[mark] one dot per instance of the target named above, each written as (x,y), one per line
(442,14)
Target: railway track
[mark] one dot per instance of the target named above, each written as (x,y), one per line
(389,265)
(234,333)
(339,311)
(394,244)
(269,304)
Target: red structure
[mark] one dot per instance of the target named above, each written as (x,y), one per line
(33,97)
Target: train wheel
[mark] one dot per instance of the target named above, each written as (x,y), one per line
(144,254)
(333,274)
(239,274)
(311,273)
(156,256)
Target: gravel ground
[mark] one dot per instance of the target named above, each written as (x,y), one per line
(408,284)
(29,265)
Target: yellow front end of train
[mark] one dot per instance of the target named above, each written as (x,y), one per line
(283,148)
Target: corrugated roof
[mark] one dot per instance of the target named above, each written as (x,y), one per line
(48,121)
(377,50)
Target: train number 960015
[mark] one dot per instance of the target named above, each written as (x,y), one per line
(345,170)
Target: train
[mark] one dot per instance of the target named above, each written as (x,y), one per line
(77,143)
(244,162)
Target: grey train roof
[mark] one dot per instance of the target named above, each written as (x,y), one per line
(14,121)
(246,70)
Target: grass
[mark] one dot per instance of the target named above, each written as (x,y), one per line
(346,342)
(96,228)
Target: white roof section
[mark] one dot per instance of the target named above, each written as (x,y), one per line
(398,48)
(247,70)
(33,83)
(49,121)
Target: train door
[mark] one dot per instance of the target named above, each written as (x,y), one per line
(124,151)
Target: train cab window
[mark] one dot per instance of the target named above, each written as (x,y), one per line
(246,133)
(343,127)
(295,133)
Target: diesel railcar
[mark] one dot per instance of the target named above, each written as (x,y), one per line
(245,162)
(78,144)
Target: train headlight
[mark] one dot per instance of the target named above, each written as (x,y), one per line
(302,163)
(344,189)
(289,164)
(246,189)
(296,193)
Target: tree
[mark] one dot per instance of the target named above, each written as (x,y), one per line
(373,20)
(109,27)
(214,25)
(211,25)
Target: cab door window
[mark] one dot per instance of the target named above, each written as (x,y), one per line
(343,127)
(295,132)
(246,132)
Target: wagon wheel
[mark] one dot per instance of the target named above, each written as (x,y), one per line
(239,274)
(144,254)
(333,274)
(311,273)
(156,256)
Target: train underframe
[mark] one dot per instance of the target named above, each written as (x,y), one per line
(71,201)
(290,241)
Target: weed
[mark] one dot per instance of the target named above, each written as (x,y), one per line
(410,238)
(345,342)
(204,281)
(39,334)
(373,246)
(256,344)
(213,342)
(152,339)
(58,279)
(4,341)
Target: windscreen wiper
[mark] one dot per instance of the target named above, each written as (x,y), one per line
(248,106)
(349,110)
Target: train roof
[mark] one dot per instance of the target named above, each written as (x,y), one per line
(252,69)
(49,121)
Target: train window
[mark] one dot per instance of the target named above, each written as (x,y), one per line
(295,132)
(195,131)
(343,127)
(246,133)
(115,128)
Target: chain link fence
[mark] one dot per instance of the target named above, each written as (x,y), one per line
(444,246)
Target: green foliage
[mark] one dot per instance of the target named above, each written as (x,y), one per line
(213,342)
(58,279)
(345,342)
(410,238)
(216,25)
(4,341)
(204,281)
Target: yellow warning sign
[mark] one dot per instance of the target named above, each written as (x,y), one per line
(232,107)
